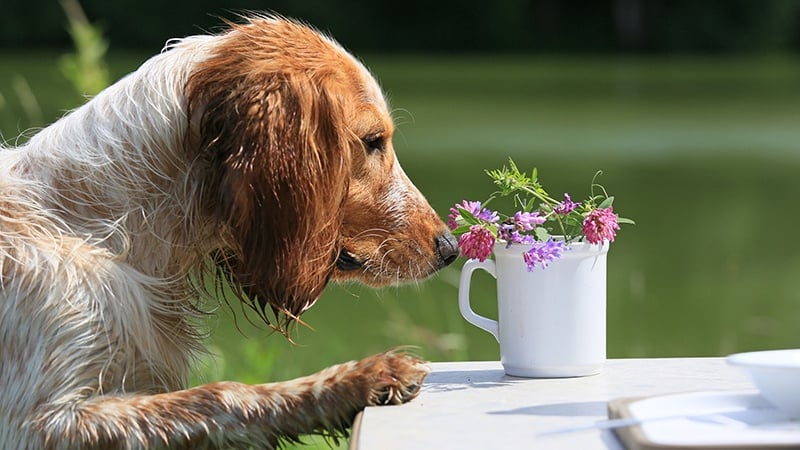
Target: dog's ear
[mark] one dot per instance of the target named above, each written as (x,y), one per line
(277,162)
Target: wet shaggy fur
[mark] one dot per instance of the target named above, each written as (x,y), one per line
(260,157)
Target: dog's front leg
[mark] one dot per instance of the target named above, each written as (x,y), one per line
(229,414)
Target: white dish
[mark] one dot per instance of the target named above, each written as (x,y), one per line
(776,374)
(713,419)
(721,419)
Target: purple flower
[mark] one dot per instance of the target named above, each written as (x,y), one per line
(526,221)
(512,236)
(455,212)
(566,207)
(477,243)
(543,253)
(600,225)
(473,208)
(488,215)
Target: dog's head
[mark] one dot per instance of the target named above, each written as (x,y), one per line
(296,140)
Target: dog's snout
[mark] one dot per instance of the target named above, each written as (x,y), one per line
(447,246)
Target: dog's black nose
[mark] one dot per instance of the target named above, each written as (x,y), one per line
(447,246)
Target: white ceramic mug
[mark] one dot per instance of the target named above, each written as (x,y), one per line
(551,322)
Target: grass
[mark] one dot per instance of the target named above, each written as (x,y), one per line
(703,154)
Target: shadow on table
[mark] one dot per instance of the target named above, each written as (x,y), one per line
(571,409)
(590,410)
(457,380)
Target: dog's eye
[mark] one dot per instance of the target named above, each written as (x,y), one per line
(374,143)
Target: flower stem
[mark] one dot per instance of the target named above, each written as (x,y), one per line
(545,198)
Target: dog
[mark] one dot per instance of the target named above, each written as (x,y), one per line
(259,158)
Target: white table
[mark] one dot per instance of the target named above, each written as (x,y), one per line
(474,405)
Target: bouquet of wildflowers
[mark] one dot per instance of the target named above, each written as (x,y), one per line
(539,217)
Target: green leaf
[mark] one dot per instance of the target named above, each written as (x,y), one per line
(607,202)
(541,233)
(573,220)
(468,216)
(624,220)
(525,204)
(461,230)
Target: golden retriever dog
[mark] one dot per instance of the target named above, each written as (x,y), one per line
(261,158)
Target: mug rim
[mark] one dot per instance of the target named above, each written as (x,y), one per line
(503,246)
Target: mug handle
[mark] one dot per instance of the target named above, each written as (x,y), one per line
(481,322)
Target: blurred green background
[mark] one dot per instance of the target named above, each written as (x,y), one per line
(691,109)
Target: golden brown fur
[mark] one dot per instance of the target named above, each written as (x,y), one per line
(267,148)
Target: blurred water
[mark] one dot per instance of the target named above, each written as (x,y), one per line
(702,153)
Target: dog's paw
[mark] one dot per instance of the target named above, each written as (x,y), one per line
(394,377)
